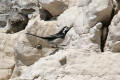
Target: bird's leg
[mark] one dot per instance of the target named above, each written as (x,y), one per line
(63,45)
(56,50)
(55,46)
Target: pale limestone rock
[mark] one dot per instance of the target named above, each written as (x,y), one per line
(56,7)
(85,35)
(79,3)
(85,19)
(25,50)
(24,2)
(66,3)
(7,61)
(113,42)
(81,59)
(5,74)
(80,65)
(16,22)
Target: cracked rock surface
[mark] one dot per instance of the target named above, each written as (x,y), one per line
(89,51)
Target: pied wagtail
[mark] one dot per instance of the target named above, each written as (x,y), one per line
(57,38)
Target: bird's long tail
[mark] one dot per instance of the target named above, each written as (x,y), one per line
(33,35)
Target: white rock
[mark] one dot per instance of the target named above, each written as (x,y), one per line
(81,58)
(113,42)
(5,74)
(7,62)
(25,50)
(80,65)
(83,19)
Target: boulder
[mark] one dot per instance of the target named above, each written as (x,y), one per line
(82,45)
(113,43)
(86,21)
(25,49)
(81,57)
(7,61)
(80,65)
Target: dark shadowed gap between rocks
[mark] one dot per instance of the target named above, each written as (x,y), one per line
(46,15)
(105,30)
(18,19)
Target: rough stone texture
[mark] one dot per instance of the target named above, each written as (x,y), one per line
(55,7)
(18,20)
(24,2)
(4,6)
(7,61)
(5,74)
(85,19)
(4,9)
(80,59)
(25,50)
(113,43)
(80,65)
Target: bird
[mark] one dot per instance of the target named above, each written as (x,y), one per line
(56,50)
(56,38)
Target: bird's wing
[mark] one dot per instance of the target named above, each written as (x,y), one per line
(33,35)
(51,37)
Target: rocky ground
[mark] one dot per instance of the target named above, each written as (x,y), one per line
(91,48)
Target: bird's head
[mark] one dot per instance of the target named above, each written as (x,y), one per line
(66,29)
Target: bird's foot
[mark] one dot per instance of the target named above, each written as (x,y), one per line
(56,50)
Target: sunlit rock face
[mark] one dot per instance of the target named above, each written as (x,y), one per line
(113,43)
(79,65)
(7,61)
(87,21)
(25,48)
(87,52)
